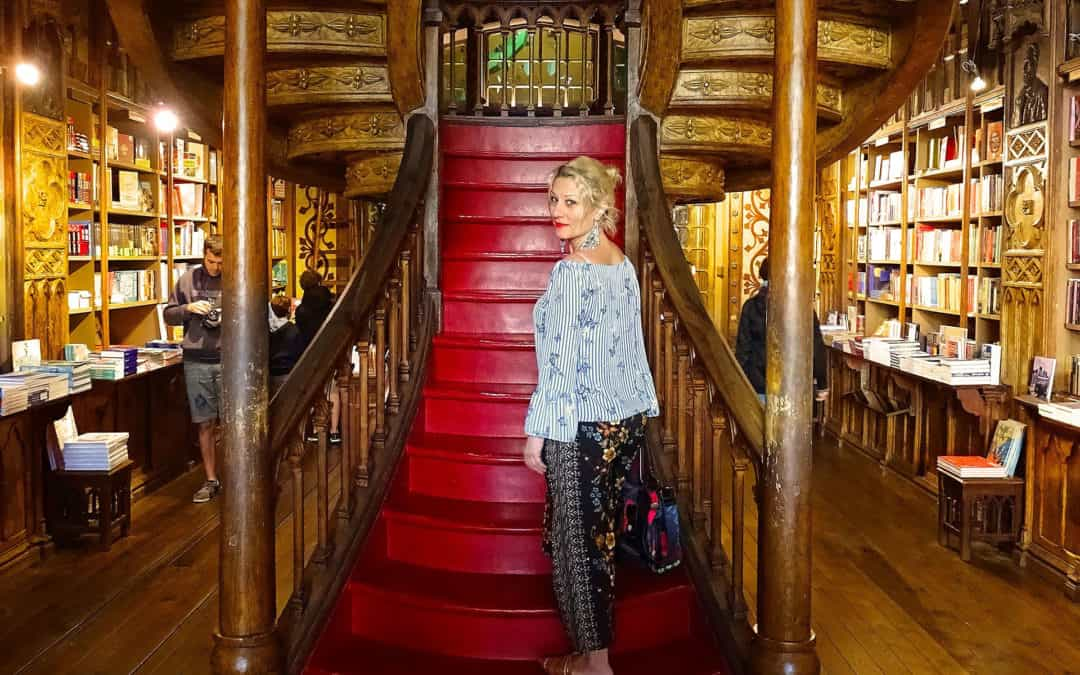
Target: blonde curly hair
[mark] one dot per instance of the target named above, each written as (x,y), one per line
(597,183)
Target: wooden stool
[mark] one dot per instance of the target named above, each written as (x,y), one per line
(983,509)
(90,502)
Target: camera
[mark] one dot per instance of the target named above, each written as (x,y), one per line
(212,319)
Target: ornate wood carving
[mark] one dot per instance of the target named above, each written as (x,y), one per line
(372,176)
(828,204)
(358,131)
(359,33)
(754,36)
(735,262)
(44,230)
(1023,293)
(328,84)
(755,240)
(660,48)
(714,133)
(742,87)
(403,53)
(692,178)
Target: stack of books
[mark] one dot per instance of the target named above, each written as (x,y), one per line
(114,363)
(973,466)
(1066,412)
(13,398)
(1000,462)
(77,373)
(102,451)
(40,387)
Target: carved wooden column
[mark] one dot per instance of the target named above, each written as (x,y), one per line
(784,642)
(246,641)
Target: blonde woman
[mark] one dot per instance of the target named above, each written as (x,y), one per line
(586,419)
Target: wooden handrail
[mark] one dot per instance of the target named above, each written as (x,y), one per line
(358,300)
(710,348)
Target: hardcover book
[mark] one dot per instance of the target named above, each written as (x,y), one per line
(1007,444)
(1042,377)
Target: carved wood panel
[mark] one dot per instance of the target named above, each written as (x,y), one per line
(347,132)
(15,516)
(359,33)
(1054,482)
(372,176)
(723,86)
(43,179)
(715,133)
(328,84)
(755,240)
(828,205)
(692,178)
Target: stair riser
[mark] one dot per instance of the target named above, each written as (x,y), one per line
(641,623)
(568,141)
(476,202)
(464,237)
(468,480)
(496,275)
(475,551)
(468,316)
(481,170)
(484,364)
(476,417)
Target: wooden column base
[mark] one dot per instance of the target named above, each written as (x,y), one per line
(768,656)
(251,654)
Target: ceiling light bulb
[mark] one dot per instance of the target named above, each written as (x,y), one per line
(978,84)
(28,74)
(166,121)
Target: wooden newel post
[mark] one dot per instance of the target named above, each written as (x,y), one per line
(245,642)
(784,641)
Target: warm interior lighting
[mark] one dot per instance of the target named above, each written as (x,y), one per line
(27,74)
(166,121)
(978,84)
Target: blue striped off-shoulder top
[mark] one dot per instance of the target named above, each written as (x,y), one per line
(590,350)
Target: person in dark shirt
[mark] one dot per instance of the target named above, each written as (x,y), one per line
(195,304)
(750,342)
(286,343)
(314,307)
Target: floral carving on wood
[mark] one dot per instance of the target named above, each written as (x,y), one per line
(742,36)
(692,177)
(380,130)
(316,240)
(325,32)
(1024,208)
(44,183)
(686,131)
(372,176)
(755,239)
(739,86)
(328,84)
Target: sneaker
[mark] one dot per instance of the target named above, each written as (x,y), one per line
(312,437)
(335,438)
(208,491)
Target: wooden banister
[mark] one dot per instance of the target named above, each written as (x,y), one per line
(710,348)
(363,292)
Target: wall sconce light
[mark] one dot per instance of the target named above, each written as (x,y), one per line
(166,121)
(27,74)
(978,84)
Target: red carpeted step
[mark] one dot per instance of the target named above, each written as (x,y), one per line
(465,536)
(489,311)
(479,408)
(497,358)
(527,201)
(492,616)
(498,271)
(596,139)
(472,468)
(466,236)
(368,657)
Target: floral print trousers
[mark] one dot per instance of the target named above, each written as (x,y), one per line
(584,482)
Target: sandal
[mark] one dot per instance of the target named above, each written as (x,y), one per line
(558,665)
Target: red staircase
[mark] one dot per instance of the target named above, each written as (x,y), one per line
(452,579)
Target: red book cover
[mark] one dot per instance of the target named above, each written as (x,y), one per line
(967,461)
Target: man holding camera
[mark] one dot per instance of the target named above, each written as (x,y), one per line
(195,304)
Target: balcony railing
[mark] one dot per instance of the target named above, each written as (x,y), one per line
(549,59)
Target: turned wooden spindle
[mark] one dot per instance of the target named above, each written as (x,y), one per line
(721,453)
(379,438)
(654,314)
(393,402)
(296,468)
(699,421)
(668,382)
(406,316)
(363,401)
(348,437)
(682,419)
(739,464)
(322,483)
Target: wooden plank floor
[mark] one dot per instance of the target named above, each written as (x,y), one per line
(887,599)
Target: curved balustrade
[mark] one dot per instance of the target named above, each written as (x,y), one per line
(367,349)
(553,58)
(712,423)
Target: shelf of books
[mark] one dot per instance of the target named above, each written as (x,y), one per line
(119,274)
(916,229)
(281,235)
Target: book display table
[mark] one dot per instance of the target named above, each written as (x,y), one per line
(90,502)
(979,509)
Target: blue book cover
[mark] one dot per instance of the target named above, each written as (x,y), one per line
(1007,444)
